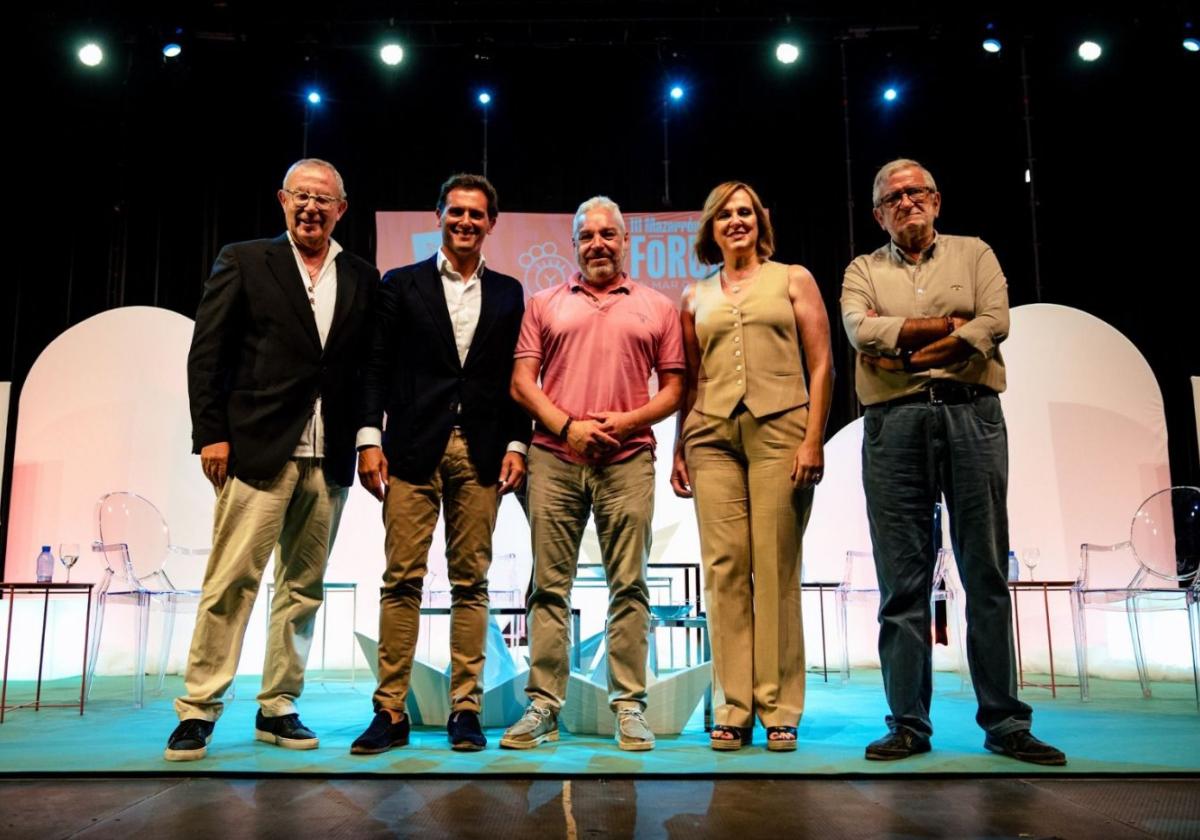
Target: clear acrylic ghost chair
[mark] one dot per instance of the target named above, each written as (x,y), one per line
(947,587)
(136,545)
(859,583)
(1142,574)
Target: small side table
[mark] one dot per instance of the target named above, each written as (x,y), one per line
(11,590)
(699,623)
(821,586)
(329,588)
(1046,586)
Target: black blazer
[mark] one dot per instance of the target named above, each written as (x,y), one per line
(413,374)
(256,364)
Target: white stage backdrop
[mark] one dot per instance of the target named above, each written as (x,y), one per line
(105,408)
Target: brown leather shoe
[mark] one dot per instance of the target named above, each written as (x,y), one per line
(1022,746)
(897,744)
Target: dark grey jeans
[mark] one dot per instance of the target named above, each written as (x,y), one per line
(912,453)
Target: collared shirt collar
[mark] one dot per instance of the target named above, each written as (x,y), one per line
(330,255)
(447,270)
(623,285)
(898,253)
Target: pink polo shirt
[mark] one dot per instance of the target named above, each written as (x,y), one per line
(597,353)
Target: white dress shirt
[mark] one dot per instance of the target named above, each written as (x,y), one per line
(321,291)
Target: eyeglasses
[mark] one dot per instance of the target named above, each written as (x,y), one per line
(916,195)
(301,197)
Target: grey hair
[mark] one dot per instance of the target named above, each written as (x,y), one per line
(891,167)
(597,202)
(304,162)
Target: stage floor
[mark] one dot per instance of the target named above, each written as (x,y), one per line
(1118,733)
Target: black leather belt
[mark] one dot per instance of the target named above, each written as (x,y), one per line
(945,392)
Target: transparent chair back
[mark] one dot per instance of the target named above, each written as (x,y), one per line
(134,540)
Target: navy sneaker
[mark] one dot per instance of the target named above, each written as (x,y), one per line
(189,741)
(285,731)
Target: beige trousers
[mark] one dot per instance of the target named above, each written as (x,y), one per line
(410,514)
(299,512)
(561,497)
(751,520)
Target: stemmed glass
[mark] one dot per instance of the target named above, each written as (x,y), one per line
(68,554)
(1031,556)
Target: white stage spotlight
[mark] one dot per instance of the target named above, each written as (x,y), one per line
(787,53)
(391,54)
(91,54)
(1089,51)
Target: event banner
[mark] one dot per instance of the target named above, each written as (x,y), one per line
(536,247)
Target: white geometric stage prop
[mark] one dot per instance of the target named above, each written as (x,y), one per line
(671,699)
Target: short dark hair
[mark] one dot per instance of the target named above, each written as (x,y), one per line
(467,181)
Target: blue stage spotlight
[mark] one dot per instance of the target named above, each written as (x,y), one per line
(1191,44)
(891,95)
(676,92)
(787,52)
(1090,51)
(391,54)
(171,50)
(91,54)
(313,97)
(485,98)
(991,45)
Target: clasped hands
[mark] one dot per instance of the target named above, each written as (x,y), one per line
(600,433)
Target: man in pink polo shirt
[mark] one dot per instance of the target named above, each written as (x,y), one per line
(593,342)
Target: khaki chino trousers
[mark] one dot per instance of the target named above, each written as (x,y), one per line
(621,499)
(298,511)
(751,519)
(410,515)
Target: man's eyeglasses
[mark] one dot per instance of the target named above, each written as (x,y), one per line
(916,195)
(323,201)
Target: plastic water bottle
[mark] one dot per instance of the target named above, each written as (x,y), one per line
(1014,566)
(45,565)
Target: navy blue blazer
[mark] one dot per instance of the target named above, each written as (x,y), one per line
(413,375)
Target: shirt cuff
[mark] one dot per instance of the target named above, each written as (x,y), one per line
(368,436)
(517,446)
(880,335)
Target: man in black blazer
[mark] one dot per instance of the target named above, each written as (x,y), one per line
(439,365)
(279,338)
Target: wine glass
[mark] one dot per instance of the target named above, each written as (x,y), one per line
(1031,556)
(68,554)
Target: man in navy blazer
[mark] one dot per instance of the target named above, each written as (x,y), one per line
(439,365)
(279,338)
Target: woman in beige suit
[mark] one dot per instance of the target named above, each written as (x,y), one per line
(750,450)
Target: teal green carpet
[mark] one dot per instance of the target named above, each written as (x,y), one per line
(1118,733)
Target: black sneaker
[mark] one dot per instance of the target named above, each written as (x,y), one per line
(466,735)
(897,744)
(1022,746)
(285,731)
(381,735)
(189,741)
